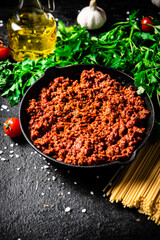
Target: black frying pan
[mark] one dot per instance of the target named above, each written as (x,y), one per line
(74,72)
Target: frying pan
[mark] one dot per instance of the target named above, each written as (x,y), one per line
(74,72)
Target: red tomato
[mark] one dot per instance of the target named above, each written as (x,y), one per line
(147,28)
(4,53)
(12,127)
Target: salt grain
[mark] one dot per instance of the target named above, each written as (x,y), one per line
(18,169)
(98,225)
(3,159)
(36,185)
(67,209)
(69,193)
(84,210)
(11,155)
(42,194)
(75,183)
(5,147)
(53,178)
(16,155)
(1,151)
(11,151)
(11,145)
(92,193)
(45,166)
(46,205)
(4,106)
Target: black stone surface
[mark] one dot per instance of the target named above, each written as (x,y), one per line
(34,193)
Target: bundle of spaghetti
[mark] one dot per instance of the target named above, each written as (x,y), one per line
(138,185)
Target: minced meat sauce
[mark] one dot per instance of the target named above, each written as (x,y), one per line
(90,121)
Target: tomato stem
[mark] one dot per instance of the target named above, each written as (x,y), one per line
(7,126)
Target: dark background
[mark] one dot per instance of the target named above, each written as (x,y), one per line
(32,203)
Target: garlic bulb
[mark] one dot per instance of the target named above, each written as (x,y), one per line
(92,17)
(156,2)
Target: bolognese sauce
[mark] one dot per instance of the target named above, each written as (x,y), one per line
(89,121)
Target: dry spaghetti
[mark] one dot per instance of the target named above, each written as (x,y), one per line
(139,184)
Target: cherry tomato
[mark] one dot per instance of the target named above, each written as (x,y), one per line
(4,52)
(12,127)
(147,28)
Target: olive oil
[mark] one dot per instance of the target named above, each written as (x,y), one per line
(31,33)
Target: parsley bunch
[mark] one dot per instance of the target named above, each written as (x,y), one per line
(124,47)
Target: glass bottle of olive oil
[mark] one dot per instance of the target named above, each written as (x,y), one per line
(31,31)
